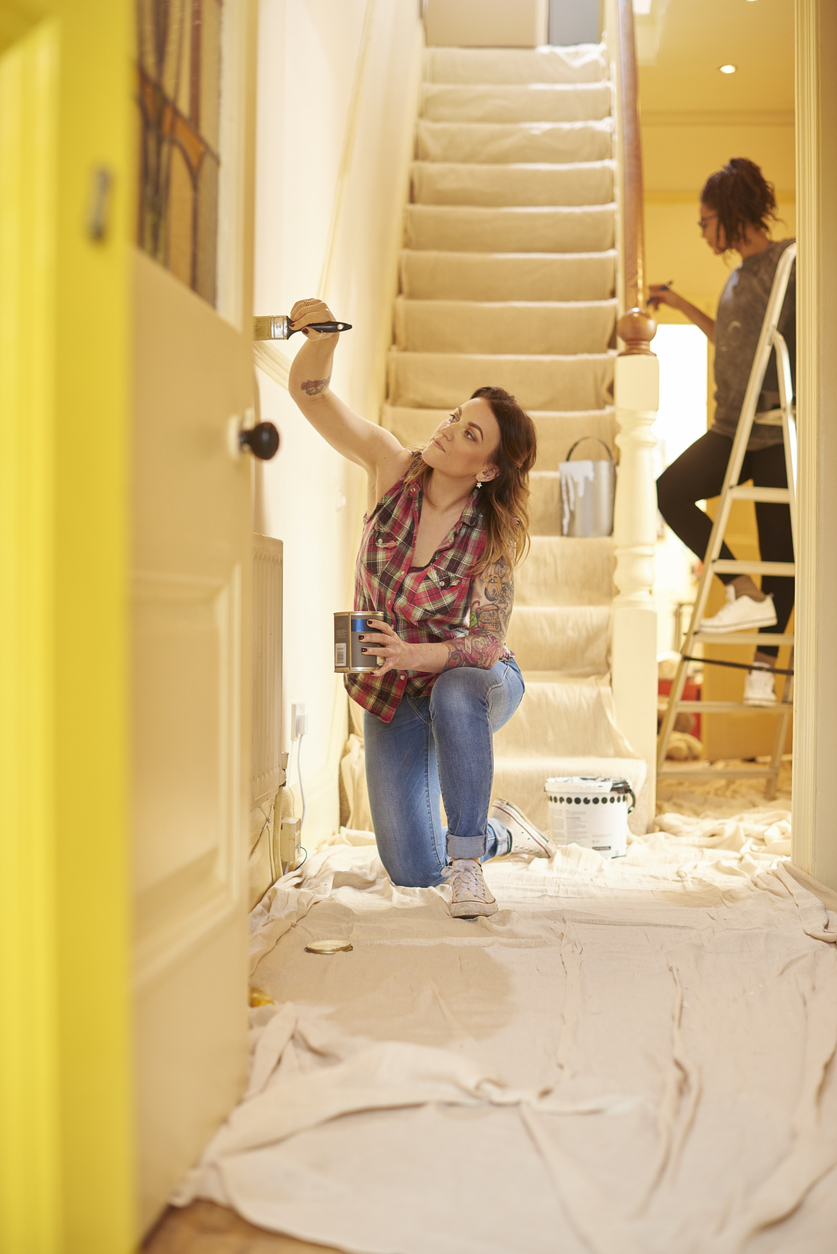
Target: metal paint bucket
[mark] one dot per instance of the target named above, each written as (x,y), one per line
(348,625)
(587,492)
(590,811)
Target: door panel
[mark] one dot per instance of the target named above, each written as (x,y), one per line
(193,374)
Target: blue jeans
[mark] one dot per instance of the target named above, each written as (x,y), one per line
(439,745)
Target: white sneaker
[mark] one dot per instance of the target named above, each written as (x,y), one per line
(469,892)
(525,837)
(759,688)
(741,614)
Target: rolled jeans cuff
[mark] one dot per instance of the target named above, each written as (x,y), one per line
(466,846)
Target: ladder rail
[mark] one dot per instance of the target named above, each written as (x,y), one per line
(770,340)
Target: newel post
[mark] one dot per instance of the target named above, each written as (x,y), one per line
(634,645)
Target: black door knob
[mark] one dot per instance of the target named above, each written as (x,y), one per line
(262,441)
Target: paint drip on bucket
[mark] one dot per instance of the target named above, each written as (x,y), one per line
(591,811)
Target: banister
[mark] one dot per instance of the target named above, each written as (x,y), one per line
(636,327)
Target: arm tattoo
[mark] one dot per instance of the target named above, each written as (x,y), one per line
(490,613)
(314,387)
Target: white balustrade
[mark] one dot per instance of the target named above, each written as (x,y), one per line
(634,644)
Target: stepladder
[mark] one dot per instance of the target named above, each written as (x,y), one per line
(770,340)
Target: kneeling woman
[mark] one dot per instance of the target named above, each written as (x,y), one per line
(443,530)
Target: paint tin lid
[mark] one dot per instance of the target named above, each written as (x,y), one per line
(587,784)
(328,947)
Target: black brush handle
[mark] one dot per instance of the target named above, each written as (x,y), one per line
(323,326)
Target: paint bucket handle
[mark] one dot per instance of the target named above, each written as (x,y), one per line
(589,437)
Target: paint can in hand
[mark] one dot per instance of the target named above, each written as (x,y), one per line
(348,625)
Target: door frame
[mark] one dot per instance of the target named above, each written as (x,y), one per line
(815,716)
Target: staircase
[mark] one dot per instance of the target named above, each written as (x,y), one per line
(507,278)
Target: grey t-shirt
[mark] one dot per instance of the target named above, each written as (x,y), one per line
(741,311)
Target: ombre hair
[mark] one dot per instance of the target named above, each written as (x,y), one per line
(741,196)
(505,498)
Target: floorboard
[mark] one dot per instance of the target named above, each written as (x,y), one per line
(204,1228)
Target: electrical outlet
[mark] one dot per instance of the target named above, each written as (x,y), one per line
(290,836)
(299,720)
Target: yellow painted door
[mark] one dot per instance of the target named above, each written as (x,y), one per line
(193,384)
(124,552)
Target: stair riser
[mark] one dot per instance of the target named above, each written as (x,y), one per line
(450,228)
(572,639)
(457,184)
(442,380)
(565,571)
(568,719)
(584,102)
(471,327)
(506,276)
(529,141)
(585,63)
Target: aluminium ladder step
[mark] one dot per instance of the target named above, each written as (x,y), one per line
(775,496)
(728,707)
(724,566)
(743,637)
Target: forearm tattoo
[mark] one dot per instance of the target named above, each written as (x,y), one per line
(489,620)
(314,387)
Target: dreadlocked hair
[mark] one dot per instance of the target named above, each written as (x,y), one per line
(505,499)
(742,197)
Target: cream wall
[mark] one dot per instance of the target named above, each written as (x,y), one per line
(322,66)
(679,152)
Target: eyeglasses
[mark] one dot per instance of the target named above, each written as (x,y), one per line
(704,222)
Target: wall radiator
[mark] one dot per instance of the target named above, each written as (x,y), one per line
(268,773)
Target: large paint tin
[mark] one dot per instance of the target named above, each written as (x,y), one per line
(591,812)
(348,625)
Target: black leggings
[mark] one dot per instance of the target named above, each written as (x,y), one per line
(697,475)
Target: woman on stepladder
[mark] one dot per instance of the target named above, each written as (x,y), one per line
(443,530)
(737,206)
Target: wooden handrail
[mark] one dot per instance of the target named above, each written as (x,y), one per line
(636,327)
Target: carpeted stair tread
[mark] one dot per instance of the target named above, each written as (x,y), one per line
(440,380)
(519,183)
(522,780)
(448,326)
(557,432)
(574,639)
(527,102)
(565,571)
(444,275)
(523,141)
(577,63)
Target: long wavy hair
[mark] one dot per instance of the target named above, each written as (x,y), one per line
(504,500)
(741,196)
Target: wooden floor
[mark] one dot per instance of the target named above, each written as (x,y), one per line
(210,1229)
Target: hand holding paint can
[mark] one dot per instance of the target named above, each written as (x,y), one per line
(349,625)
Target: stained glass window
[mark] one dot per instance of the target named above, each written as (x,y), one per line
(179,91)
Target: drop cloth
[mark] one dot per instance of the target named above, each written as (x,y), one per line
(631,1057)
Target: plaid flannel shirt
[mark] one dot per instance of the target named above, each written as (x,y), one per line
(422,606)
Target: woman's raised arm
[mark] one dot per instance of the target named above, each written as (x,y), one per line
(363,442)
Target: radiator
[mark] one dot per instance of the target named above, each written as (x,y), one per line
(267,770)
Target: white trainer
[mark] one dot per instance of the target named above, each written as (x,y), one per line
(469,892)
(741,614)
(759,686)
(525,837)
